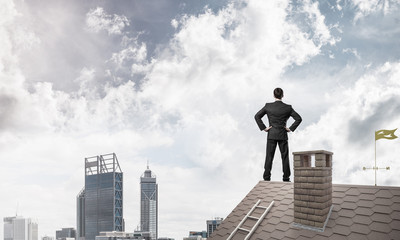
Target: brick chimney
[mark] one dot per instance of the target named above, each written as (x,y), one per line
(312,189)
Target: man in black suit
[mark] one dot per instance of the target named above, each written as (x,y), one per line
(278,113)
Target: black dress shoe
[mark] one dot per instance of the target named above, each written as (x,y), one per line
(267,179)
(288,180)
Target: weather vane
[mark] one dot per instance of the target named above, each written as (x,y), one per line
(386,134)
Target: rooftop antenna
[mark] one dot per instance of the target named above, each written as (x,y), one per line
(147,163)
(16,211)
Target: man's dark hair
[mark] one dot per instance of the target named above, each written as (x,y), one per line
(278,93)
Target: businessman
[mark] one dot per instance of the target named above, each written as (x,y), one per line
(278,113)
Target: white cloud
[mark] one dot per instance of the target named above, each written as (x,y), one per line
(322,34)
(352,51)
(133,53)
(97,19)
(367,7)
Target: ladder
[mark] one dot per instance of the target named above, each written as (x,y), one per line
(248,215)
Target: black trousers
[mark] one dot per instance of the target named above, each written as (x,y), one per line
(284,148)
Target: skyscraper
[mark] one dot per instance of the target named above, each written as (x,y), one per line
(80,215)
(149,204)
(101,201)
(19,228)
(212,225)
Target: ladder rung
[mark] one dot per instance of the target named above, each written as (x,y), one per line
(261,207)
(256,218)
(243,229)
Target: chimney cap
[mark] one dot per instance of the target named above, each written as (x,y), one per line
(313,152)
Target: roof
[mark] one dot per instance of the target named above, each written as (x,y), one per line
(359,212)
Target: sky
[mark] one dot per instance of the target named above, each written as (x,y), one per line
(177,84)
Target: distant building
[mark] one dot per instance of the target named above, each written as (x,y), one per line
(19,228)
(141,235)
(212,225)
(149,204)
(193,238)
(203,234)
(114,236)
(66,233)
(99,204)
(47,238)
(165,238)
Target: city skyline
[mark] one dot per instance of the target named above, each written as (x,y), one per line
(178,83)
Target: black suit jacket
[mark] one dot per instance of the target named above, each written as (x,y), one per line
(278,113)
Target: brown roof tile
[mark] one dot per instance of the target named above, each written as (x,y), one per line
(338,237)
(308,234)
(348,205)
(344,221)
(342,230)
(346,213)
(384,194)
(337,201)
(383,201)
(353,192)
(278,234)
(365,203)
(380,227)
(396,199)
(360,228)
(362,219)
(355,235)
(382,209)
(369,189)
(395,215)
(381,217)
(364,211)
(394,234)
(366,196)
(377,235)
(395,225)
(351,199)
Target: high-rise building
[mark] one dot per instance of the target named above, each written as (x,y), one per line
(80,215)
(9,228)
(19,228)
(149,204)
(212,225)
(47,238)
(65,233)
(100,204)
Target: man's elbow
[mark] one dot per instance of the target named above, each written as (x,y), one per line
(299,119)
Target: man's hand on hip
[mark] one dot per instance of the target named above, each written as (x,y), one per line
(268,128)
(287,129)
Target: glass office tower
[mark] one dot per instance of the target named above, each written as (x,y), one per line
(102,196)
(149,204)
